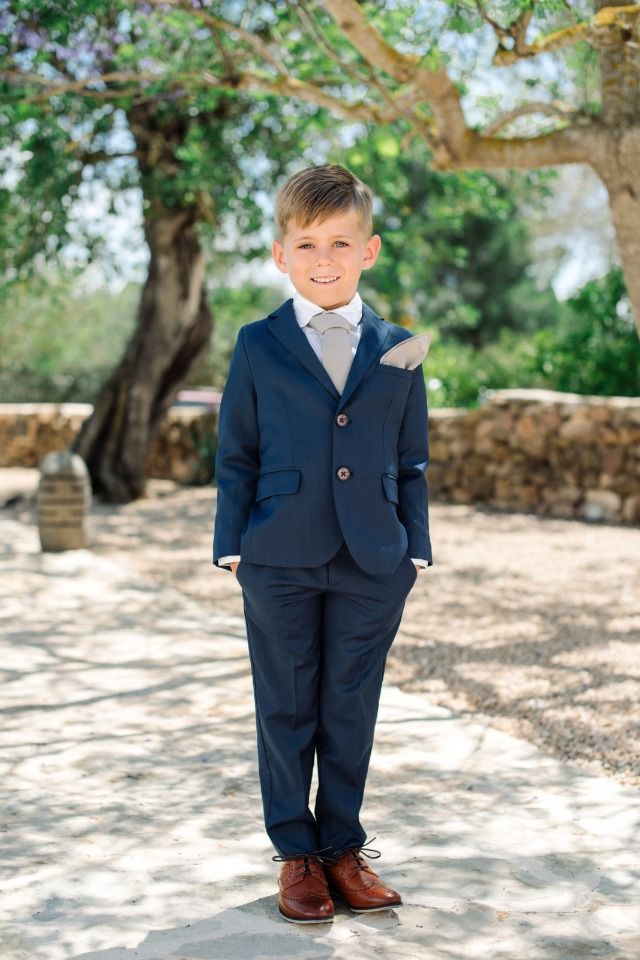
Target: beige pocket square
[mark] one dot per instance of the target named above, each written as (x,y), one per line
(409,353)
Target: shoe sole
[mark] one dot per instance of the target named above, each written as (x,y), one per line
(296,920)
(387,906)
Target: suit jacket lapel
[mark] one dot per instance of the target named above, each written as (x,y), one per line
(372,340)
(284,326)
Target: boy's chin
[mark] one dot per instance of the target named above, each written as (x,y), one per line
(328,299)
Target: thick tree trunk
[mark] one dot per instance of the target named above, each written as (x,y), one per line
(621,180)
(620,90)
(173,328)
(617,160)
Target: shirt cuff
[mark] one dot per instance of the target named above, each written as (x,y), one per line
(233,557)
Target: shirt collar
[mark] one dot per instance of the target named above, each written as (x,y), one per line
(304,309)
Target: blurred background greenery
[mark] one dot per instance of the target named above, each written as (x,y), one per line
(57,344)
(458,256)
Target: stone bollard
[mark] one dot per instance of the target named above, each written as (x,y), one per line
(64,496)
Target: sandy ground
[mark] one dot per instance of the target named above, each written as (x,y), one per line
(531,625)
(130,813)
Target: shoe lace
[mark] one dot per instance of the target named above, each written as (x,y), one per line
(317,855)
(371,853)
(368,851)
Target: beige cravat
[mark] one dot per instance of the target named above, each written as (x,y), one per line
(336,346)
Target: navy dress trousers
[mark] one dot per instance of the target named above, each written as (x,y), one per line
(324,497)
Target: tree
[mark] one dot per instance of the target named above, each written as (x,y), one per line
(401,64)
(455,253)
(179,70)
(597,44)
(199,157)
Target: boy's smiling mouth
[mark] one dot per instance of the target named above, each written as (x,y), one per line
(325,279)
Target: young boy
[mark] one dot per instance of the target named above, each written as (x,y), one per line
(322,515)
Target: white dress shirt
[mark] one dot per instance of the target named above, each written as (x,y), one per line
(304,309)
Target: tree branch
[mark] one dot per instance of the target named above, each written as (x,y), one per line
(454,145)
(256,43)
(370,43)
(293,87)
(302,10)
(502,33)
(432,86)
(516,32)
(89,157)
(78,86)
(570,145)
(597,31)
(182,83)
(553,109)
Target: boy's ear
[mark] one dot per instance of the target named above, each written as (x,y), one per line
(277,251)
(371,251)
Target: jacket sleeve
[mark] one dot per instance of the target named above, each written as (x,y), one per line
(413,458)
(237,462)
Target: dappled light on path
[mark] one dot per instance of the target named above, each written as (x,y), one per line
(131,814)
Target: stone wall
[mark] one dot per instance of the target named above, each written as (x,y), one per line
(556,454)
(183,450)
(28,431)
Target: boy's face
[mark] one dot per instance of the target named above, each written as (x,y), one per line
(324,260)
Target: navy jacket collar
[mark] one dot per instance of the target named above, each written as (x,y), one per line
(284,326)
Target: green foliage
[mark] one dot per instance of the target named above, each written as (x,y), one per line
(231,307)
(164,129)
(591,348)
(59,345)
(455,252)
(460,376)
(595,348)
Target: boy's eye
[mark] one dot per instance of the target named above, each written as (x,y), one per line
(341,243)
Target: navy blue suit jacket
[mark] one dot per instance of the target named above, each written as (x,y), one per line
(284,432)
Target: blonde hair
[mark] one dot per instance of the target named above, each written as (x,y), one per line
(316,193)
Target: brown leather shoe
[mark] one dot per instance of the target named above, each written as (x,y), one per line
(304,894)
(361,889)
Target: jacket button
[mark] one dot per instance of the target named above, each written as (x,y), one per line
(343,473)
(342,419)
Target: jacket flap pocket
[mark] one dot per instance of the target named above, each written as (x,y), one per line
(286,480)
(390,485)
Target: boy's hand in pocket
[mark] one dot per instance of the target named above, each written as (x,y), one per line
(234,566)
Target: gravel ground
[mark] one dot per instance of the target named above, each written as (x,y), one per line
(532,625)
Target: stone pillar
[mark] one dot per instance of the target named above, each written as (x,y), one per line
(63,500)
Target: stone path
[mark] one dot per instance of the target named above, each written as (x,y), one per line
(130,818)
(530,624)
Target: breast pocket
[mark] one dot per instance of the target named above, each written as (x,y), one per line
(393,382)
(388,370)
(277,481)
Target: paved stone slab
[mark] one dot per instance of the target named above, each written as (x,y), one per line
(130,817)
